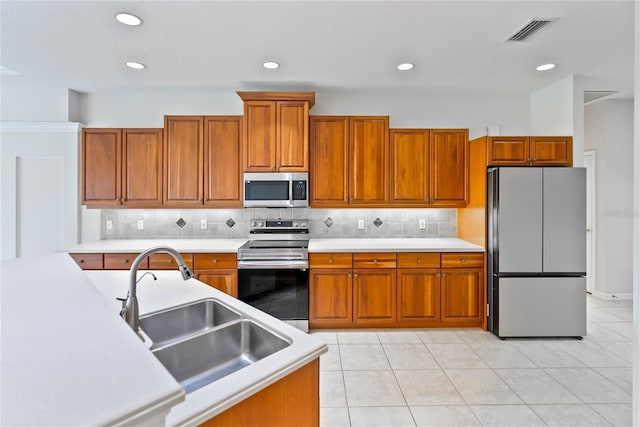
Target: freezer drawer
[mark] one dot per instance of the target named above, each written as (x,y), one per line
(542,307)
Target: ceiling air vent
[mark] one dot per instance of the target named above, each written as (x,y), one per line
(532,27)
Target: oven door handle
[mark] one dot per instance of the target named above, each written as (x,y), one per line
(273,265)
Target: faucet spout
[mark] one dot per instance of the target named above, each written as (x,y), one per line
(130,311)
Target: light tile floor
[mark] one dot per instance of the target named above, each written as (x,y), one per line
(468,377)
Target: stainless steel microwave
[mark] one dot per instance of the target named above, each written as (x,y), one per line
(276,190)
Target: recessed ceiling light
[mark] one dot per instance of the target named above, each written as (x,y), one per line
(545,67)
(135,65)
(270,65)
(405,67)
(128,19)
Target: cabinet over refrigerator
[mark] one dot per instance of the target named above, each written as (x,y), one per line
(536,222)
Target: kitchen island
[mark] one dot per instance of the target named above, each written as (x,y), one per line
(69,359)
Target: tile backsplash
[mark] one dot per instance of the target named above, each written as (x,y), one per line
(235,223)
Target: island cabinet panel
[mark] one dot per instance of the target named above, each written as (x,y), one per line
(142,166)
(418,295)
(162,261)
(329,156)
(461,295)
(409,167)
(260,136)
(508,151)
(292,401)
(292,136)
(88,261)
(449,171)
(551,150)
(183,161)
(222,161)
(101,167)
(374,300)
(369,150)
(330,297)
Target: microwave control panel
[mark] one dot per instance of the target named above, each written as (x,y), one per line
(299,190)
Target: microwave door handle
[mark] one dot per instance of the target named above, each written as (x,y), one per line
(291,193)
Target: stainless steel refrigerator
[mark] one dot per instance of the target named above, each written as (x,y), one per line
(536,222)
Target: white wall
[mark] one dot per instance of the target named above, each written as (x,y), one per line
(609,131)
(636,229)
(36,105)
(558,109)
(54,145)
(146,109)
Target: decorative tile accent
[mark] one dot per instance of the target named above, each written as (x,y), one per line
(230,222)
(377,222)
(328,222)
(181,222)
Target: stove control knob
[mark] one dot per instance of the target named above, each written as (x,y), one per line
(303,225)
(254,224)
(261,224)
(295,224)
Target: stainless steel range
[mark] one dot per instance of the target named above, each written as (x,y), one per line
(273,270)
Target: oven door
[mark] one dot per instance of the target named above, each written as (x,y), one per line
(279,290)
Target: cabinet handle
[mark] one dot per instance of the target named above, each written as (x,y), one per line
(463,260)
(170,261)
(443,275)
(375,260)
(349,275)
(330,260)
(125,261)
(215,260)
(81,261)
(419,260)
(355,274)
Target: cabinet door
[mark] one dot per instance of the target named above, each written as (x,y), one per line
(329,178)
(142,164)
(374,299)
(292,136)
(183,161)
(418,295)
(222,161)
(101,167)
(461,295)
(259,147)
(551,150)
(449,172)
(409,166)
(225,280)
(508,151)
(330,297)
(369,150)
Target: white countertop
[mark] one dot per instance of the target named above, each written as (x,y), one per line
(315,245)
(67,356)
(392,245)
(140,245)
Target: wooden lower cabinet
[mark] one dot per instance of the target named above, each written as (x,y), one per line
(88,261)
(330,297)
(462,295)
(418,296)
(292,401)
(225,280)
(374,300)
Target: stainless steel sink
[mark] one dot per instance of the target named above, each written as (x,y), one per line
(167,326)
(200,360)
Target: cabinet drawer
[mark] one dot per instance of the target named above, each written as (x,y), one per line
(419,260)
(166,261)
(374,260)
(214,261)
(331,260)
(123,262)
(462,260)
(88,261)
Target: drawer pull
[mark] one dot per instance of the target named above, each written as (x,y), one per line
(375,261)
(419,260)
(170,261)
(81,261)
(330,260)
(125,261)
(463,260)
(215,260)
(355,274)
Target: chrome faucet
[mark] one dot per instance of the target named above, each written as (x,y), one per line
(130,308)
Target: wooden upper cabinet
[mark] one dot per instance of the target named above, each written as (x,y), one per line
(551,150)
(222,161)
(529,151)
(508,151)
(369,150)
(183,161)
(276,131)
(329,180)
(292,136)
(142,167)
(101,167)
(449,171)
(260,136)
(409,166)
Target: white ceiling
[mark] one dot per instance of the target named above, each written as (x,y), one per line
(457,46)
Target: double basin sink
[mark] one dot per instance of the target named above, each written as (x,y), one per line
(203,341)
